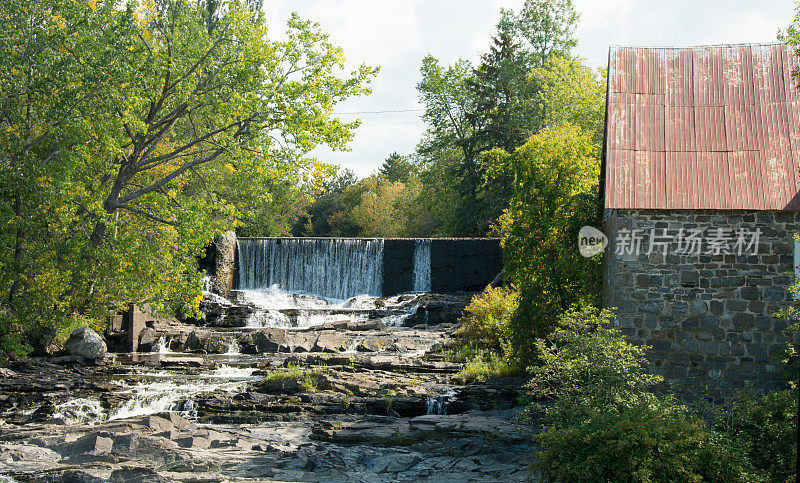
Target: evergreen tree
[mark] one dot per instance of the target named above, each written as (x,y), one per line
(396,168)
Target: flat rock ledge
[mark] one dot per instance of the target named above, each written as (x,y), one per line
(165,447)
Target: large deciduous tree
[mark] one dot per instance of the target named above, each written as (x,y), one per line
(555,192)
(131,132)
(497,104)
(545,28)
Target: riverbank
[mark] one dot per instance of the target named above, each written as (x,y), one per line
(357,402)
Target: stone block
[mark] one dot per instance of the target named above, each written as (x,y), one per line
(708,321)
(660,345)
(749,293)
(194,442)
(736,305)
(775,294)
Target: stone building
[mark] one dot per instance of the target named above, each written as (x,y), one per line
(700,188)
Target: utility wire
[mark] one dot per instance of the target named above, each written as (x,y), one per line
(380,112)
(392,123)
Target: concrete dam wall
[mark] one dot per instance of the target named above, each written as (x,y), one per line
(345,267)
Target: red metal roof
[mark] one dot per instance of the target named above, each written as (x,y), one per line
(713,127)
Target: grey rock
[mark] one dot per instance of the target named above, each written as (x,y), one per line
(140,474)
(329,342)
(147,338)
(87,343)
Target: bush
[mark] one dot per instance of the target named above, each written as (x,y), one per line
(12,337)
(487,319)
(602,422)
(586,358)
(484,366)
(767,428)
(649,439)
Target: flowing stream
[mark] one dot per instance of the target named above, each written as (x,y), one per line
(151,391)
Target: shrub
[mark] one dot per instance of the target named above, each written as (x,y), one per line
(650,439)
(484,366)
(12,337)
(603,423)
(767,428)
(588,359)
(487,319)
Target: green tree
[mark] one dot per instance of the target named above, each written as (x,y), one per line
(131,133)
(387,209)
(497,104)
(555,193)
(571,92)
(497,84)
(450,145)
(545,28)
(330,211)
(396,168)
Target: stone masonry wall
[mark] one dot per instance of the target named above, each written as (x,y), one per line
(708,317)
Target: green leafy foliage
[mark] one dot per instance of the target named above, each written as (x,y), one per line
(484,366)
(527,81)
(396,168)
(555,193)
(546,28)
(487,319)
(644,441)
(766,427)
(131,133)
(386,208)
(586,360)
(604,423)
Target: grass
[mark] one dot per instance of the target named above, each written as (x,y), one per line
(461,353)
(484,366)
(308,384)
(290,372)
(293,372)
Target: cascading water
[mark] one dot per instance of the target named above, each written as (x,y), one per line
(439,404)
(162,345)
(333,268)
(158,391)
(422,266)
(232,346)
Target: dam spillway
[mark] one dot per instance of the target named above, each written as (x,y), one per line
(336,268)
(340,268)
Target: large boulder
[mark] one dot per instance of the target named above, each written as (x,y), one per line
(205,342)
(225,246)
(263,341)
(329,341)
(86,343)
(147,339)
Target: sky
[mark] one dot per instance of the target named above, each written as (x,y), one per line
(397,34)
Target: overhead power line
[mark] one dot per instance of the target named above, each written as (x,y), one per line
(381,112)
(393,123)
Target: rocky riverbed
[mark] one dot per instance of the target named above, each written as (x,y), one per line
(354,399)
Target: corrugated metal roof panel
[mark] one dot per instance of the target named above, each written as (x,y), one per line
(703,128)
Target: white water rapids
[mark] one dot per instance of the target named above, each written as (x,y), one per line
(157,391)
(278,308)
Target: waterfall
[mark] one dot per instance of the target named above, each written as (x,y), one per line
(422,266)
(439,404)
(232,346)
(162,345)
(332,268)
